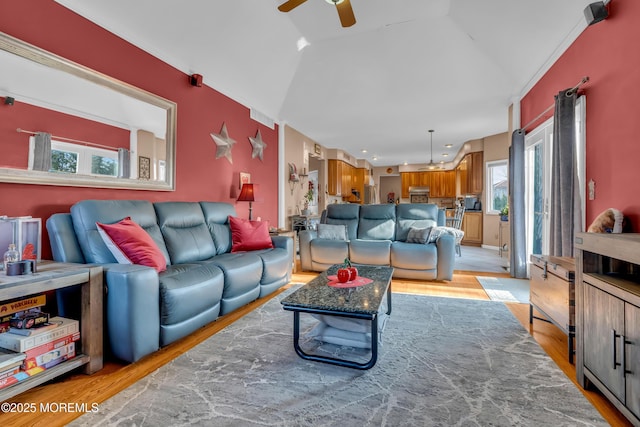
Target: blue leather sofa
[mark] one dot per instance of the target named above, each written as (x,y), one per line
(145,310)
(377,234)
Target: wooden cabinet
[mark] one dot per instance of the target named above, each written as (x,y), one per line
(442,184)
(472,227)
(461,177)
(608,317)
(334,169)
(410,179)
(343,178)
(475,173)
(469,172)
(552,293)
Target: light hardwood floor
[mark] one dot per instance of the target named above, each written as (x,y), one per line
(78,389)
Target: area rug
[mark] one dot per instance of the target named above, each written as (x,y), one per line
(505,289)
(443,362)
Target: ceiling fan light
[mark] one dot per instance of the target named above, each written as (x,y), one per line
(334,1)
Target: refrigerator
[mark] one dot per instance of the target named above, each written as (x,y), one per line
(370,195)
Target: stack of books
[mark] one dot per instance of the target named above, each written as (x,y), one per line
(33,342)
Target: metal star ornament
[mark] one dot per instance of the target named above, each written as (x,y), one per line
(258,146)
(224,143)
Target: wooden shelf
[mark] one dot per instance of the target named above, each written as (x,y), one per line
(49,277)
(44,376)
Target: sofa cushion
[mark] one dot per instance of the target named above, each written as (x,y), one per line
(416,215)
(216,216)
(377,222)
(375,252)
(332,232)
(242,274)
(87,213)
(249,235)
(186,290)
(345,214)
(414,257)
(130,244)
(419,235)
(185,232)
(328,251)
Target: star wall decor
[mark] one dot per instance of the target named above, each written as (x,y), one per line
(258,146)
(224,143)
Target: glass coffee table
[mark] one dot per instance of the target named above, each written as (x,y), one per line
(361,302)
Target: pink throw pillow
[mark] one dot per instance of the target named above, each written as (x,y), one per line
(249,235)
(131,244)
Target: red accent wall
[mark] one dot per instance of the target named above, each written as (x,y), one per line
(608,53)
(201,111)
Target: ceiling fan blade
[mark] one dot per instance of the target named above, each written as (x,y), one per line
(345,11)
(289,5)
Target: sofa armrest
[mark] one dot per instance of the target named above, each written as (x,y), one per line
(446,245)
(304,240)
(132,310)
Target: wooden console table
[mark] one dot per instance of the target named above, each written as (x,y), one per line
(552,293)
(49,277)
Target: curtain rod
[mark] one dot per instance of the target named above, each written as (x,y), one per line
(584,80)
(91,144)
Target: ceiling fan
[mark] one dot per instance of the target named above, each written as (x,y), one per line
(431,165)
(345,12)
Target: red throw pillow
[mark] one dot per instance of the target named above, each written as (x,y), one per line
(249,235)
(130,244)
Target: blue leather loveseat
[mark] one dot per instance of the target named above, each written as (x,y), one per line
(146,310)
(377,235)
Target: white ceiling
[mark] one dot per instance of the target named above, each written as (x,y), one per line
(406,66)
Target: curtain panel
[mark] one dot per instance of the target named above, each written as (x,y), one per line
(563,206)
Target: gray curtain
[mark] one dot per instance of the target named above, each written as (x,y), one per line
(124,163)
(42,152)
(563,176)
(518,253)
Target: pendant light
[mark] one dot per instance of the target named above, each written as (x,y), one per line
(431,165)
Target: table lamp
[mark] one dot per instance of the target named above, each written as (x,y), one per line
(247,194)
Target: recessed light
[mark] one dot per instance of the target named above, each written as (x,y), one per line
(302,43)
(449,145)
(405,163)
(445,154)
(374,158)
(363,150)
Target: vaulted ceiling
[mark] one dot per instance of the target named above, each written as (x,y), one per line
(406,66)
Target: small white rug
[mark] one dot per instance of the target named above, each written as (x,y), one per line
(505,289)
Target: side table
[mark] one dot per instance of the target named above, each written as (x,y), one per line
(294,236)
(51,276)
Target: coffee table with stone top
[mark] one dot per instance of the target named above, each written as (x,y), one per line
(360,304)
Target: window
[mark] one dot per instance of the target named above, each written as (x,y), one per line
(80,159)
(497,186)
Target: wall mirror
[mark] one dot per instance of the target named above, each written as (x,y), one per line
(104,132)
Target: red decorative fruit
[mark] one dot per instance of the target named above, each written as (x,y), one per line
(353,273)
(343,275)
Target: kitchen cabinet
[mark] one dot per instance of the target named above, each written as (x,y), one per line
(342,178)
(358,180)
(461,177)
(475,171)
(442,184)
(410,179)
(608,317)
(472,227)
(469,172)
(334,170)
